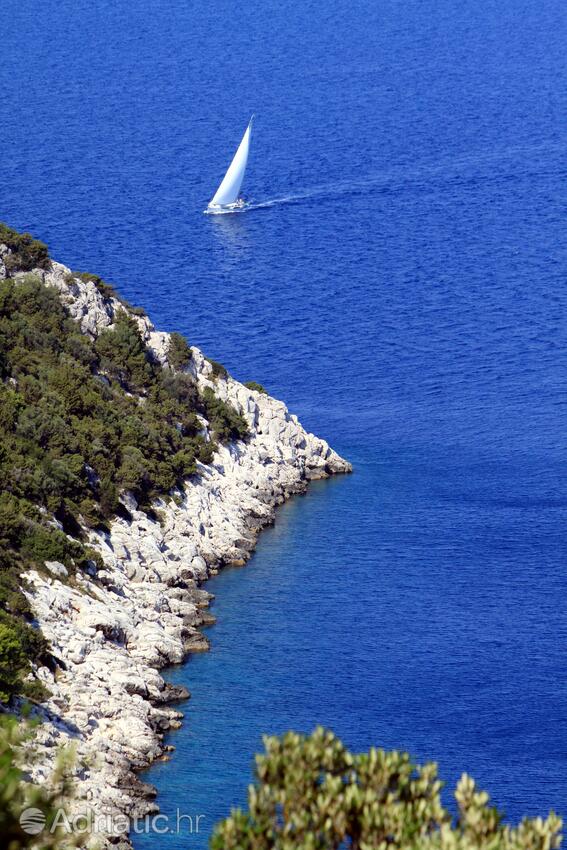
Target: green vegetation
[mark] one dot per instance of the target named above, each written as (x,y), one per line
(27,253)
(226,423)
(219,370)
(79,423)
(311,793)
(17,795)
(19,644)
(179,353)
(105,289)
(254,385)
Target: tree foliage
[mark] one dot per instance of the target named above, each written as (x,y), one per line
(254,385)
(219,371)
(311,793)
(78,417)
(179,353)
(26,252)
(21,800)
(226,423)
(80,422)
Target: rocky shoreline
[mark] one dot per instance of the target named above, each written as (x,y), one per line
(112,630)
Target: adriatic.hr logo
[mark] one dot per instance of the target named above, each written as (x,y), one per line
(33,822)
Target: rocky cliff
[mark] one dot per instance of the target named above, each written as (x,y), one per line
(111,629)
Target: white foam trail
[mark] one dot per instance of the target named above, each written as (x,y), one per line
(469,168)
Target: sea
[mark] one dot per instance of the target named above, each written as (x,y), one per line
(400,280)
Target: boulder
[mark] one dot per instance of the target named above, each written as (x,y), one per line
(57,569)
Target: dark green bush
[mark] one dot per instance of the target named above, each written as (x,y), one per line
(179,353)
(123,354)
(40,543)
(35,690)
(219,371)
(20,645)
(225,422)
(206,452)
(13,662)
(28,253)
(254,385)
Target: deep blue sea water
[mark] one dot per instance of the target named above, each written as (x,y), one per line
(405,294)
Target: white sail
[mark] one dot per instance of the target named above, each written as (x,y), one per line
(227,193)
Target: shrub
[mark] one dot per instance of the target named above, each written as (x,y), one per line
(41,543)
(311,792)
(254,385)
(219,371)
(27,253)
(206,452)
(13,661)
(20,645)
(225,422)
(123,354)
(179,353)
(133,472)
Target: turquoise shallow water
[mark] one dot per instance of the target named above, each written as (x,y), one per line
(405,294)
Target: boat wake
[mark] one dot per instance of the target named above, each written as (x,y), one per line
(286,199)
(466,171)
(323,192)
(272,202)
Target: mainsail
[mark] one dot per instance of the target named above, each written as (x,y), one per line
(227,193)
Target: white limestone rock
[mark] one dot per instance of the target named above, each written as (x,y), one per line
(57,569)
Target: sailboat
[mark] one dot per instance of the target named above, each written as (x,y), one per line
(226,197)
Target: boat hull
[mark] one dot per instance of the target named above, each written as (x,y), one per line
(223,209)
